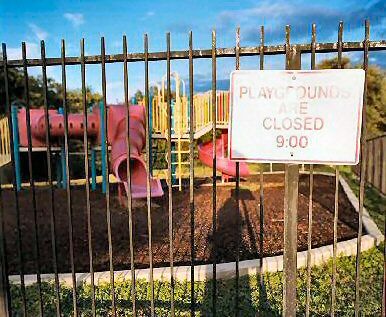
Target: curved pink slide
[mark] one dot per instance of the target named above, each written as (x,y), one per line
(116,138)
(223,164)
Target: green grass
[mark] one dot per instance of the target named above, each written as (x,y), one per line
(375,203)
(250,304)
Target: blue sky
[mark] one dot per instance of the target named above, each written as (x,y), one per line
(32,21)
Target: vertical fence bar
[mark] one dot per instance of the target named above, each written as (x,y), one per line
(362,177)
(214,186)
(148,188)
(14,183)
(382,149)
(191,176)
(237,195)
(261,194)
(106,158)
(129,200)
(87,176)
(5,298)
(374,156)
(169,154)
(384,251)
(31,177)
(49,174)
(68,180)
(310,197)
(336,195)
(104,148)
(290,208)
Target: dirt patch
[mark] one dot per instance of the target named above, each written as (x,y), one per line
(227,219)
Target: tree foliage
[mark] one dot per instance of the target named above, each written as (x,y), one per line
(376,94)
(36,92)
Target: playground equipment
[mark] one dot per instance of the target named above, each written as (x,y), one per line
(5,147)
(223,164)
(203,120)
(180,129)
(116,138)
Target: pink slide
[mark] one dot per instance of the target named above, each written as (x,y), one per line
(223,164)
(116,138)
(117,135)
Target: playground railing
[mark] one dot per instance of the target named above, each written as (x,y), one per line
(197,111)
(202,104)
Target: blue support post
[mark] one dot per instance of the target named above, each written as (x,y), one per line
(103,148)
(93,169)
(16,151)
(63,159)
(58,166)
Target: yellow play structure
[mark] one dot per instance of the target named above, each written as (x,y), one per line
(180,127)
(5,146)
(202,104)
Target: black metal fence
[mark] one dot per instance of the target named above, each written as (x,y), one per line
(293,54)
(376,169)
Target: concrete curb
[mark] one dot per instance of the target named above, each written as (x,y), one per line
(228,270)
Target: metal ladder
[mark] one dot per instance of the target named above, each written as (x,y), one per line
(179,163)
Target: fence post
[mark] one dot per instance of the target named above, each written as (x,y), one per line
(4,308)
(290,217)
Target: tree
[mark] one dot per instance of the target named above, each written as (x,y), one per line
(138,95)
(75,99)
(376,94)
(54,92)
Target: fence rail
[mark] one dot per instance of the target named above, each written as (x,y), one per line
(199,54)
(293,54)
(376,163)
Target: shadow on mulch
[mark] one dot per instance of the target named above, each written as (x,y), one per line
(226,236)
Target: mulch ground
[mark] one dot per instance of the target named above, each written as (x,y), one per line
(226,237)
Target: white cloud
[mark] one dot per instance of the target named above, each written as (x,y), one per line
(76,19)
(147,15)
(38,32)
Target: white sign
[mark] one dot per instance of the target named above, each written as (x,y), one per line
(296,116)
